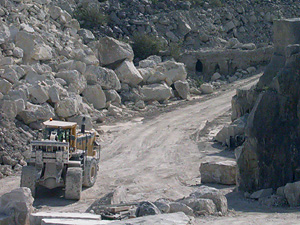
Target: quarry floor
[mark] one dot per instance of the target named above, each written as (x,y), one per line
(158,156)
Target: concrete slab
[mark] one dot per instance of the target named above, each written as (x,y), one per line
(162,219)
(74,222)
(36,218)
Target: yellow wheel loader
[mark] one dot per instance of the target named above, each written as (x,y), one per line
(66,157)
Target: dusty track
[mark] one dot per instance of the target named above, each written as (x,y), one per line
(150,158)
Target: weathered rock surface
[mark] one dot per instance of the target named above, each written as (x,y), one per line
(127,73)
(158,92)
(17,203)
(218,172)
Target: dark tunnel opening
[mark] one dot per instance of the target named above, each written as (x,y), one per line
(199,66)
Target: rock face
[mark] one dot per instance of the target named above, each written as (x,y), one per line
(218,172)
(17,203)
(158,92)
(270,155)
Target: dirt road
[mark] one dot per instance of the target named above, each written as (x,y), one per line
(148,158)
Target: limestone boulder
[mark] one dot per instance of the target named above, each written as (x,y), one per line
(158,92)
(86,35)
(262,193)
(76,82)
(163,205)
(5,86)
(9,107)
(42,52)
(36,113)
(17,203)
(215,195)
(216,76)
(95,95)
(67,107)
(180,207)
(4,33)
(223,172)
(10,74)
(105,77)
(38,94)
(292,193)
(79,118)
(127,73)
(146,208)
(229,135)
(173,71)
(182,88)
(207,88)
(112,96)
(111,51)
(146,73)
(200,205)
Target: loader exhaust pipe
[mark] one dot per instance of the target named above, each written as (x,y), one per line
(83,125)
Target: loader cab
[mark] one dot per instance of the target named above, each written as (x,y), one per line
(61,131)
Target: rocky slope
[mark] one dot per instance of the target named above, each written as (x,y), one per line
(195,24)
(269,157)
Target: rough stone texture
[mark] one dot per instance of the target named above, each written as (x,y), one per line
(111,51)
(200,205)
(207,88)
(218,172)
(182,88)
(127,73)
(95,95)
(232,131)
(17,203)
(107,78)
(158,92)
(34,113)
(146,208)
(180,207)
(213,194)
(67,107)
(292,193)
(75,81)
(262,193)
(173,71)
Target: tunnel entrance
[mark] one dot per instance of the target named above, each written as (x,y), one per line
(217,68)
(199,66)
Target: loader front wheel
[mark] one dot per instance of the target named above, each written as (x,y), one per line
(73,183)
(28,178)
(90,172)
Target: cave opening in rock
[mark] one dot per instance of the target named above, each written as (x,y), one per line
(217,68)
(199,66)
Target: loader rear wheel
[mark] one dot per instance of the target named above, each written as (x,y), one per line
(90,172)
(73,183)
(28,178)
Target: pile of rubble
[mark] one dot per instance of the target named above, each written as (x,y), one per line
(196,24)
(204,201)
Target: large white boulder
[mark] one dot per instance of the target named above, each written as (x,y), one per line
(5,86)
(42,52)
(223,172)
(173,71)
(292,193)
(17,203)
(9,107)
(4,33)
(67,107)
(38,94)
(231,131)
(207,88)
(127,73)
(146,73)
(158,92)
(107,78)
(111,50)
(95,95)
(215,195)
(182,88)
(206,206)
(34,113)
(76,82)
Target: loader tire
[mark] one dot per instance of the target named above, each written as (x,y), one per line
(73,183)
(28,178)
(90,172)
